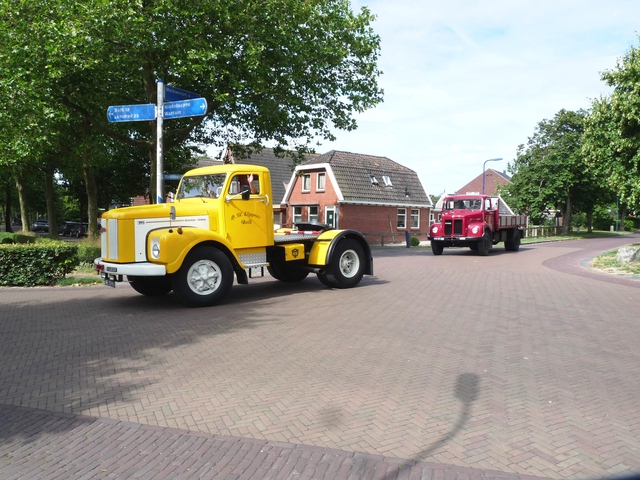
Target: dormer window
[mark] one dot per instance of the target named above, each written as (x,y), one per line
(306,183)
(387,181)
(373,179)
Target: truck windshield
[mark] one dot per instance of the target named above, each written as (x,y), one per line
(466,204)
(209,186)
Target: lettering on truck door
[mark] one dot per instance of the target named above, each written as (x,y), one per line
(246,220)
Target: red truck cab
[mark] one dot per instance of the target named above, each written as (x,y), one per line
(477,222)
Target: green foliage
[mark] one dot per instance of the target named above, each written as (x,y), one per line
(550,172)
(602,217)
(281,71)
(579,219)
(612,130)
(414,242)
(36,264)
(630,224)
(9,238)
(88,251)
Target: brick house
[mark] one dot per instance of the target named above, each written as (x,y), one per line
(374,195)
(492,180)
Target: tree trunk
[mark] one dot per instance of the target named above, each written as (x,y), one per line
(590,221)
(90,185)
(92,195)
(50,198)
(8,216)
(566,216)
(22,199)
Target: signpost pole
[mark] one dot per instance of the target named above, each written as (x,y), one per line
(159,143)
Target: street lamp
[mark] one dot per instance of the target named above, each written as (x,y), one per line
(484,165)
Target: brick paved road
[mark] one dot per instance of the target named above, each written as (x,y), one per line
(459,365)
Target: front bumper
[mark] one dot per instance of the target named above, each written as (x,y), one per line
(139,269)
(455,241)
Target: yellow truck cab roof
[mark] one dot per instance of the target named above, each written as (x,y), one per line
(227,168)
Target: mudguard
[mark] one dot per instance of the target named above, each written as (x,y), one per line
(322,249)
(176,242)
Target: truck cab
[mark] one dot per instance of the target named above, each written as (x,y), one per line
(477,222)
(220,224)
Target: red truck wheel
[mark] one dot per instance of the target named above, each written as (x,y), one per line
(485,244)
(206,275)
(513,244)
(437,247)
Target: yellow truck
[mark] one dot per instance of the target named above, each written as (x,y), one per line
(220,222)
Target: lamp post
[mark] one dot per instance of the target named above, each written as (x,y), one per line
(484,165)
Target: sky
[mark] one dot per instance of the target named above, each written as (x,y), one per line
(468,81)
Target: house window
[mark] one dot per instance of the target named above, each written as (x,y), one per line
(402,218)
(387,181)
(313,213)
(320,181)
(297,215)
(415,218)
(374,180)
(306,183)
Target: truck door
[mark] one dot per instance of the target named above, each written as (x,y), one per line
(248,222)
(489,207)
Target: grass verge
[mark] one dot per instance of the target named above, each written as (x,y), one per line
(607,263)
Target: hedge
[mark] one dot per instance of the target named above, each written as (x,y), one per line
(32,264)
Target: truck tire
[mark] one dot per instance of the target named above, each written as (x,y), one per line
(150,286)
(346,266)
(325,280)
(485,244)
(437,247)
(513,244)
(287,273)
(206,275)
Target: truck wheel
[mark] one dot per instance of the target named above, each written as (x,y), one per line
(206,275)
(513,245)
(437,247)
(287,273)
(485,244)
(325,279)
(150,286)
(346,266)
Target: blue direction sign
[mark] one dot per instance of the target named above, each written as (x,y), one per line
(173,94)
(185,108)
(171,176)
(132,113)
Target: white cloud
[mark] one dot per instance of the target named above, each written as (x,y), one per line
(466,81)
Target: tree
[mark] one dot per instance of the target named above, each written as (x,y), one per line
(287,71)
(612,130)
(550,172)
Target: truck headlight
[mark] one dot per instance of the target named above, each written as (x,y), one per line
(434,229)
(155,248)
(475,230)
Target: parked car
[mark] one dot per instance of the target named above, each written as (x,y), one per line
(80,230)
(66,228)
(40,225)
(16,222)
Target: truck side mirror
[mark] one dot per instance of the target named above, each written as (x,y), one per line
(246,193)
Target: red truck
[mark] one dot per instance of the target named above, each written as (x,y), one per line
(477,222)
